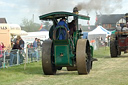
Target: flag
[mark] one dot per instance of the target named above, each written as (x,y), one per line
(96,18)
(88,22)
(41,26)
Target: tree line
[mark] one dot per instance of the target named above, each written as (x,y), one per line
(30,26)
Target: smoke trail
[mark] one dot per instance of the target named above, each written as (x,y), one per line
(102,5)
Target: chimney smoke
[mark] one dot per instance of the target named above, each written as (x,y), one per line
(107,6)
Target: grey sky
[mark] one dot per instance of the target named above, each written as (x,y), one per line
(15,10)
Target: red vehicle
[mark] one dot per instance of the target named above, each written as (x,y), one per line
(119,40)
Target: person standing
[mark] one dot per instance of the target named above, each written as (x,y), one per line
(14,53)
(38,43)
(35,43)
(1,54)
(72,27)
(2,44)
(21,49)
(35,54)
(39,48)
(21,43)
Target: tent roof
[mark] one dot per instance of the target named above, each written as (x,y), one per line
(99,30)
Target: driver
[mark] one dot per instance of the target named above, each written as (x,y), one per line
(62,32)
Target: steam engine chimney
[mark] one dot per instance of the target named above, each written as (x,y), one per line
(126,15)
(75,10)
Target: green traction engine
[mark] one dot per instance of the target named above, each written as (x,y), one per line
(73,52)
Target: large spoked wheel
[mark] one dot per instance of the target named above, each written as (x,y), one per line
(113,48)
(83,56)
(48,58)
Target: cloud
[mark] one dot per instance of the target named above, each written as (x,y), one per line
(45,6)
(6,4)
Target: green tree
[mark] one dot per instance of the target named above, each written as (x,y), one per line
(29,25)
(47,25)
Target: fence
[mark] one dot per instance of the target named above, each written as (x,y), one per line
(17,57)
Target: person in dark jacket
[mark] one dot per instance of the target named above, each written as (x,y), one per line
(21,49)
(13,54)
(38,43)
(72,27)
(21,42)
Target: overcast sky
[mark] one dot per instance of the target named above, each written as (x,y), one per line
(15,10)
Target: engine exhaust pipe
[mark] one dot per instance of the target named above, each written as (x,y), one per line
(126,16)
(75,10)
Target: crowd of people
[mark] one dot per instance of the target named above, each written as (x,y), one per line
(16,54)
(34,49)
(17,47)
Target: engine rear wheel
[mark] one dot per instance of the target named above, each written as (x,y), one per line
(48,58)
(83,56)
(113,48)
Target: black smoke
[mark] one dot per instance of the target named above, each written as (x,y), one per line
(107,6)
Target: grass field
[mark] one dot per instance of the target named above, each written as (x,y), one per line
(106,71)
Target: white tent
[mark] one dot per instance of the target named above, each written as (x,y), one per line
(23,32)
(30,37)
(98,32)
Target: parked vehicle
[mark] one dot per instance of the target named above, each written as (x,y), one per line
(119,40)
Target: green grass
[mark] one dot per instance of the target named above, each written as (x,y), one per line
(12,75)
(102,52)
(106,71)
